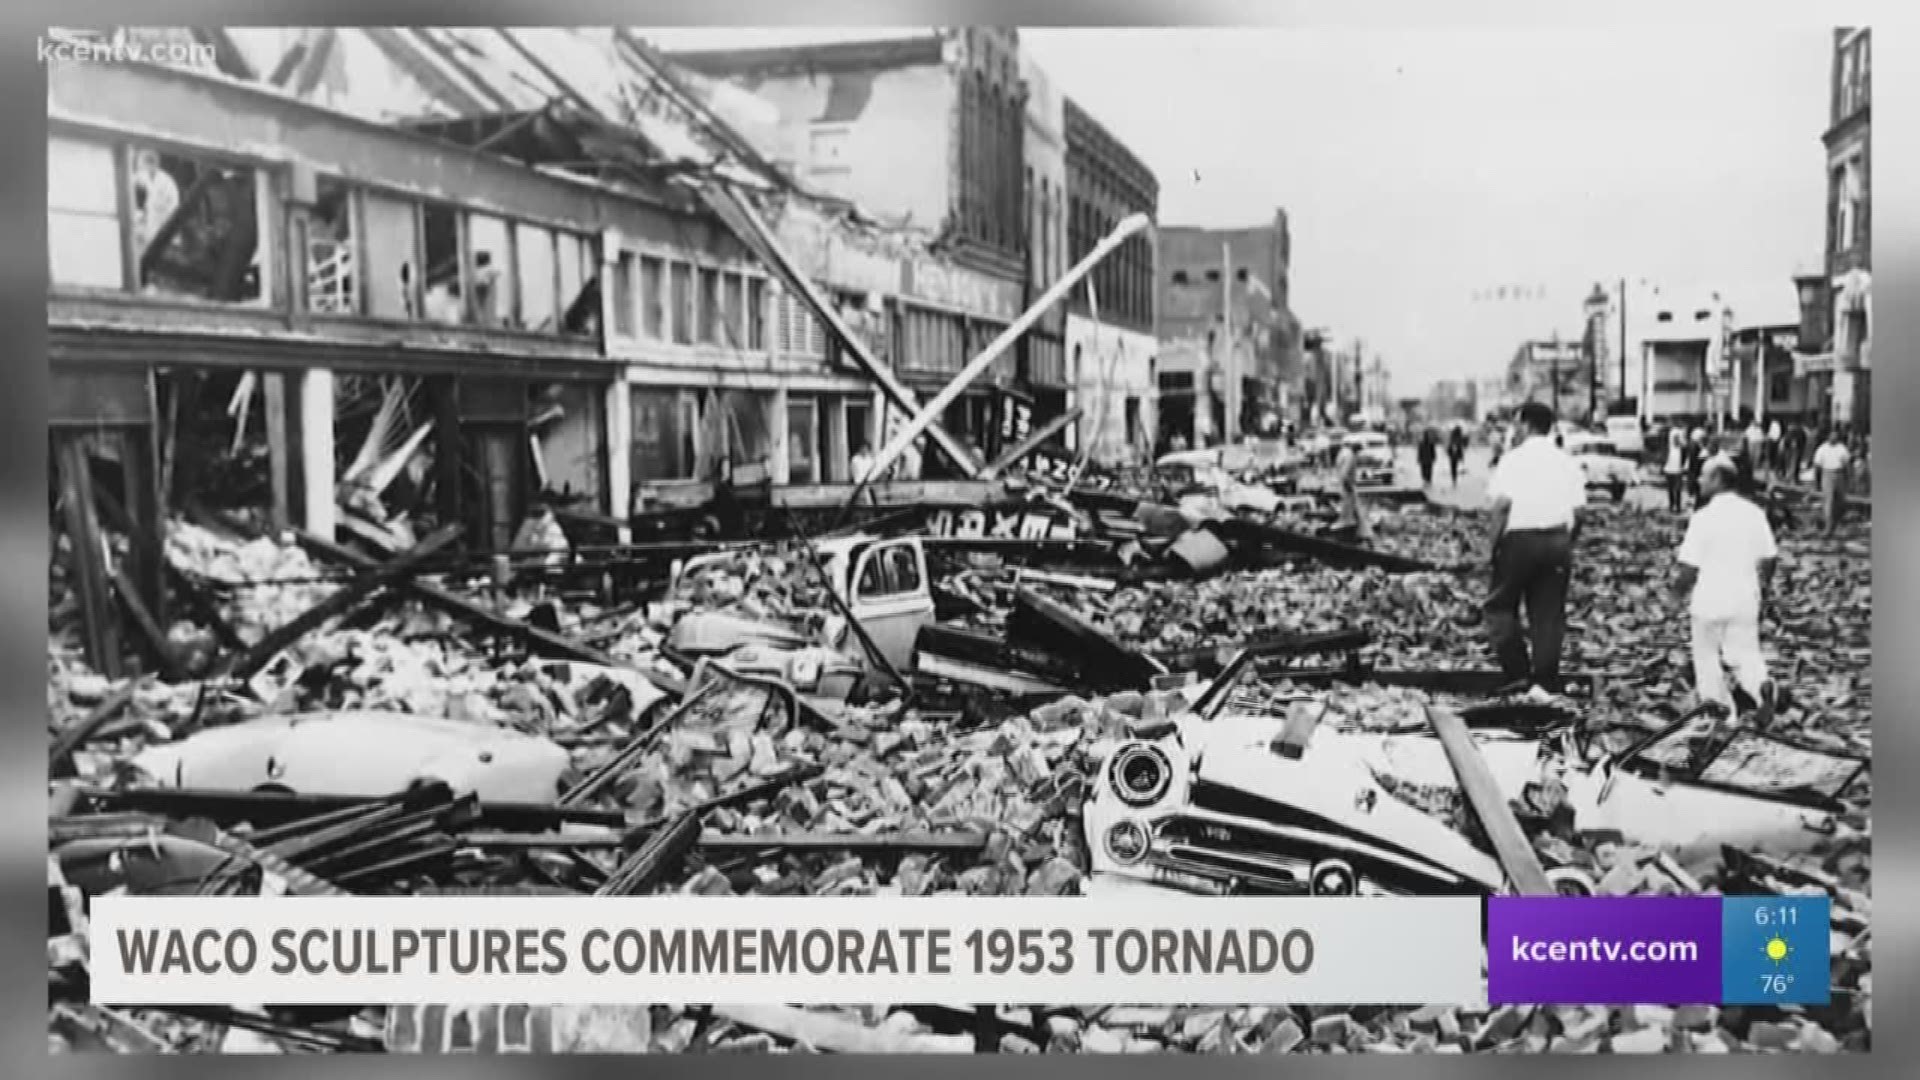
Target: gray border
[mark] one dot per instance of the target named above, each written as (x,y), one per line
(23,469)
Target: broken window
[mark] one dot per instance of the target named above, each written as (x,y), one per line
(711,312)
(393,256)
(682,301)
(803,441)
(749,418)
(84,242)
(624,300)
(539,302)
(332,281)
(659,450)
(569,427)
(653,299)
(444,303)
(579,284)
(756,314)
(490,243)
(196,227)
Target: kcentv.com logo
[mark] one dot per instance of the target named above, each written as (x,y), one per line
(91,47)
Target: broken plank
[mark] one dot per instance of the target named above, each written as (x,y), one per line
(89,570)
(652,861)
(1247,536)
(143,620)
(542,643)
(837,1034)
(1105,664)
(1510,844)
(869,843)
(268,809)
(76,734)
(343,600)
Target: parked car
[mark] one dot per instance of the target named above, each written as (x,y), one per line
(1602,464)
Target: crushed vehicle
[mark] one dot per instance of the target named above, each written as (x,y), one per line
(883,583)
(358,752)
(1602,464)
(1234,803)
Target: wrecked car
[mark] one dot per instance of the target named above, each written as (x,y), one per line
(1219,806)
(360,752)
(884,584)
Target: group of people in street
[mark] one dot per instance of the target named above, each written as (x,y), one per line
(1780,454)
(1725,566)
(1427,452)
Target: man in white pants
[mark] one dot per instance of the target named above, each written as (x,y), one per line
(1726,566)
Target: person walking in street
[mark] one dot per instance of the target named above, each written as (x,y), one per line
(1428,452)
(1774,436)
(1698,452)
(1347,472)
(1456,452)
(1755,438)
(1726,567)
(1675,472)
(1537,496)
(1830,464)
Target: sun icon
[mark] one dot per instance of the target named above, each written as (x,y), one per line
(1778,949)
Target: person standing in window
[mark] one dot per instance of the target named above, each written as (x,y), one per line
(1537,494)
(155,198)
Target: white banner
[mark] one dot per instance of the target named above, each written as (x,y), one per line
(791,950)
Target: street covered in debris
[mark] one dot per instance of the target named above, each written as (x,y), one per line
(600,758)
(725,536)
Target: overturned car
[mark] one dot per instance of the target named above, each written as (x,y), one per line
(1236,804)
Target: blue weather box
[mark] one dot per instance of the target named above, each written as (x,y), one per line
(1775,950)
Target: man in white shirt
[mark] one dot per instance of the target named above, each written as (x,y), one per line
(1537,493)
(1726,566)
(1775,433)
(1675,471)
(1830,464)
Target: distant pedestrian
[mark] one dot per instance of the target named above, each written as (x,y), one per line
(1456,452)
(1428,453)
(1726,567)
(1830,464)
(1537,495)
(1793,451)
(1698,452)
(1774,436)
(1347,469)
(1675,473)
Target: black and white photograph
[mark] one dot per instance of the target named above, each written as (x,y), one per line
(964,461)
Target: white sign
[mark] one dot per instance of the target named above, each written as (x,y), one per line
(999,525)
(181,950)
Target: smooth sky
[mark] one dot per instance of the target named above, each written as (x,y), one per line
(1422,169)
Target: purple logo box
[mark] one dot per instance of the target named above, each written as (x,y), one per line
(1603,950)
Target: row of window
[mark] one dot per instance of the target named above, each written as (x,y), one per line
(1123,282)
(992,134)
(123,217)
(684,434)
(1847,195)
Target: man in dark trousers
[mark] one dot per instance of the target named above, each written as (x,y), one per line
(1428,452)
(1537,494)
(1456,452)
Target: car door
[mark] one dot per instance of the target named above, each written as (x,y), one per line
(891,597)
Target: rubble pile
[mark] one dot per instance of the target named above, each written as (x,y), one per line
(732,796)
(770,584)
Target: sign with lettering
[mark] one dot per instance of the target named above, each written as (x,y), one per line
(1015,524)
(1016,420)
(928,279)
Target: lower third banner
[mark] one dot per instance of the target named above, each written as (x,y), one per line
(794,950)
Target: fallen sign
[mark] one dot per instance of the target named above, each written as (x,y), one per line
(1018,523)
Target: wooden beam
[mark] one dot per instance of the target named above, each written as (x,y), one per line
(149,627)
(76,734)
(1510,844)
(279,448)
(345,599)
(90,579)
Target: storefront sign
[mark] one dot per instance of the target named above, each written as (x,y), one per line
(999,525)
(955,287)
(1805,365)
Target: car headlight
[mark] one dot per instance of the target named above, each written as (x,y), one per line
(1126,842)
(1140,774)
(804,672)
